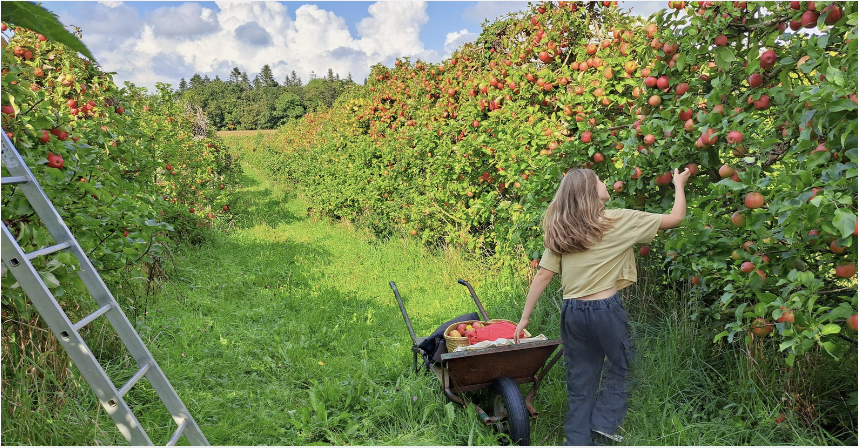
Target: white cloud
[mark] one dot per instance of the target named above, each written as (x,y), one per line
(187,20)
(456,39)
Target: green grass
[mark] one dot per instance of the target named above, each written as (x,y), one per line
(282,330)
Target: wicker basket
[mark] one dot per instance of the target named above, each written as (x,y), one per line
(453,342)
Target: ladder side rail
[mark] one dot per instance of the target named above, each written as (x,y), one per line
(101,294)
(77,349)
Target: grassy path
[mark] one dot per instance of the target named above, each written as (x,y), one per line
(288,332)
(284,331)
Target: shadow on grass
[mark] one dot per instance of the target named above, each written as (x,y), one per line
(264,206)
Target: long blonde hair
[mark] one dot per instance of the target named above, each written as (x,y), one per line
(575,219)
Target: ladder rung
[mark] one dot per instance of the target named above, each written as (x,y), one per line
(92,316)
(178,433)
(48,250)
(14,180)
(134,379)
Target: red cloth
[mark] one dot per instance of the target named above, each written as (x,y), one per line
(492,332)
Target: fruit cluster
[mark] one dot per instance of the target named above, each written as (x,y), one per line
(465,329)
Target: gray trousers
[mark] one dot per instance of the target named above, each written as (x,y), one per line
(593,330)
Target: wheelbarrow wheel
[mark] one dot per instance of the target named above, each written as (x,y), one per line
(508,407)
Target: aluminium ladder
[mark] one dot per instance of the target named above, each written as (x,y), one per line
(66,332)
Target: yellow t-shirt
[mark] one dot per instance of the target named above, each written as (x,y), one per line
(608,263)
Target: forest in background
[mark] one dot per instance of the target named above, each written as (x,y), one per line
(263,103)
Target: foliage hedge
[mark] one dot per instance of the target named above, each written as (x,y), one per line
(469,151)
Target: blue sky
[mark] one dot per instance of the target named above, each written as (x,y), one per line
(147,42)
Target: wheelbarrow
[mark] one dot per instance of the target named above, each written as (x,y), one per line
(499,369)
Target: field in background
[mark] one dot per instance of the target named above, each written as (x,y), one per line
(227,134)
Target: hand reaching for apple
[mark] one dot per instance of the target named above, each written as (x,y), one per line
(680,179)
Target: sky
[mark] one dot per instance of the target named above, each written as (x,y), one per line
(146,42)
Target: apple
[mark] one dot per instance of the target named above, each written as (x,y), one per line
(845,270)
(754,199)
(695,280)
(760,327)
(809,19)
(768,59)
(586,136)
(852,322)
(55,161)
(763,103)
(721,40)
(454,333)
(738,219)
(836,248)
(477,325)
(637,173)
(644,251)
(650,81)
(787,316)
(225,207)
(654,101)
(192,210)
(619,186)
(598,157)
(685,115)
(747,267)
(755,80)
(709,137)
(46,137)
(834,14)
(682,88)
(663,82)
(734,137)
(649,139)
(692,168)
(462,328)
(663,179)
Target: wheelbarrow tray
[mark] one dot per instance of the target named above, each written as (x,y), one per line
(471,370)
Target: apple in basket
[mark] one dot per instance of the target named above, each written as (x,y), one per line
(461,328)
(455,333)
(478,324)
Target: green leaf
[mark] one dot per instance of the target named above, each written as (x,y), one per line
(830,329)
(33,17)
(844,221)
(723,56)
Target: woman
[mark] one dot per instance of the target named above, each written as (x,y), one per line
(591,248)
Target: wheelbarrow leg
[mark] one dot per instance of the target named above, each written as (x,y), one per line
(536,379)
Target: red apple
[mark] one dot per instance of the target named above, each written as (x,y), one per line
(55,161)
(852,322)
(845,270)
(754,199)
(738,219)
(619,186)
(747,267)
(734,137)
(787,315)
(760,328)
(768,59)
(644,251)
(755,80)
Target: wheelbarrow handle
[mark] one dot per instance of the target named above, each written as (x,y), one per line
(404,314)
(476,299)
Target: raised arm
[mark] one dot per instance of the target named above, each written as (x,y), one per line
(677,214)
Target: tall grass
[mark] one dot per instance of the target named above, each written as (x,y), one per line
(282,330)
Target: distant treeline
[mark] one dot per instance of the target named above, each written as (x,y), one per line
(263,103)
